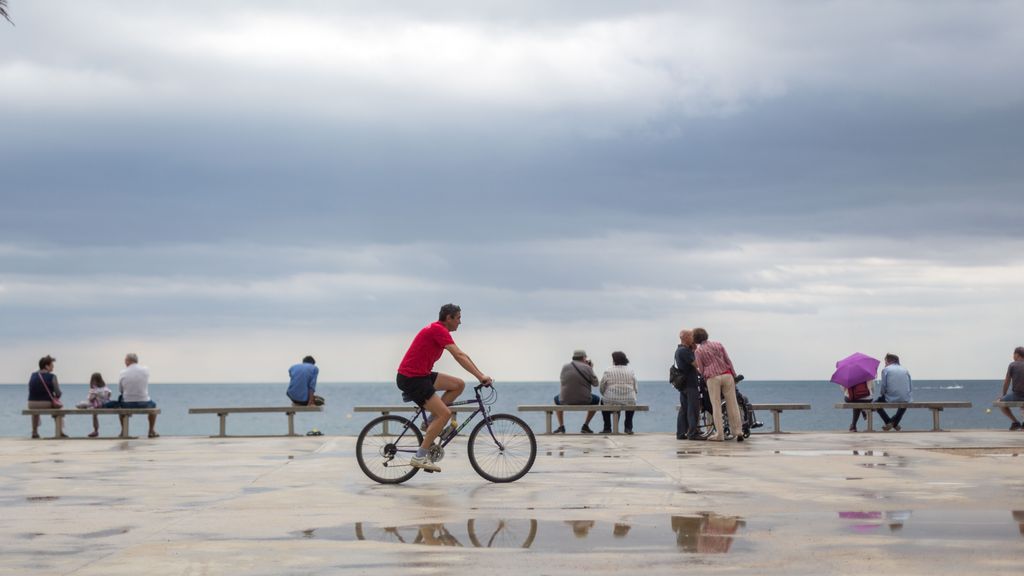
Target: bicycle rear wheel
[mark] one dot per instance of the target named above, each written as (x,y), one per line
(508,459)
(384,448)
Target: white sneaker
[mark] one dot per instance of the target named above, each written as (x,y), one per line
(424,463)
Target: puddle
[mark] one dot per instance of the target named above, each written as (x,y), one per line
(42,498)
(936,524)
(703,533)
(106,533)
(1002,452)
(832,453)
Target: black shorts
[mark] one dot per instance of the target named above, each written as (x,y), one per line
(418,389)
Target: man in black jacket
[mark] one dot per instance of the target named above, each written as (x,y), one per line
(687,422)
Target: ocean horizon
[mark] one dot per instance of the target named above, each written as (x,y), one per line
(174,400)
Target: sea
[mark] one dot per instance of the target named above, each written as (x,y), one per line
(338,418)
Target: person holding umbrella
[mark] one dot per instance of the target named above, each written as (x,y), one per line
(855,374)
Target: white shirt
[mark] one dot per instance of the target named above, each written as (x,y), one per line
(135,383)
(618,386)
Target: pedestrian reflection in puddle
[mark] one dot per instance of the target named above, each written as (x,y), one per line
(703,533)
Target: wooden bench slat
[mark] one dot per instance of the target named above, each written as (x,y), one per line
(871,407)
(1008,404)
(615,409)
(58,414)
(408,408)
(222,414)
(255,409)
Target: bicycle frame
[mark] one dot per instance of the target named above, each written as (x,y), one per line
(481,409)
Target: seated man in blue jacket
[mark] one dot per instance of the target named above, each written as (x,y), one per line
(303,383)
(895,386)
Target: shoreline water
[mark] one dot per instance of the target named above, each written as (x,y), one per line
(338,418)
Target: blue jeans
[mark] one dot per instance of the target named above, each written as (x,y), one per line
(895,420)
(1012,396)
(687,421)
(594,399)
(119,404)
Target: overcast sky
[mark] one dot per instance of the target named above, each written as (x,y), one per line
(225,187)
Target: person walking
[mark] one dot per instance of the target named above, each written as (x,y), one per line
(714,363)
(687,421)
(894,386)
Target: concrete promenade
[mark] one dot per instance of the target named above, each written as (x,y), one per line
(803,503)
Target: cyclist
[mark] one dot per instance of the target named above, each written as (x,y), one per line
(419,382)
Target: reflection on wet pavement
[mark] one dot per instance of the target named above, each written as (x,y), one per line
(831,453)
(953,525)
(703,533)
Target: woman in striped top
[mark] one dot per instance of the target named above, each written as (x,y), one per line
(618,387)
(716,366)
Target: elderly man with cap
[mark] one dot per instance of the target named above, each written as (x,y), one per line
(577,380)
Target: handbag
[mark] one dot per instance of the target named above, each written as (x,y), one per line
(676,377)
(858,391)
(53,400)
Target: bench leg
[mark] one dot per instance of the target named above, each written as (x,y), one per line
(291,423)
(871,420)
(385,413)
(615,422)
(124,424)
(777,421)
(58,425)
(223,424)
(547,422)
(935,420)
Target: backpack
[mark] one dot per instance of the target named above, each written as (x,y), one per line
(859,391)
(676,377)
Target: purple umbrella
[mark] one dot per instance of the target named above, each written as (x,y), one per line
(854,369)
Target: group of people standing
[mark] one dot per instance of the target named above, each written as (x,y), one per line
(44,392)
(699,357)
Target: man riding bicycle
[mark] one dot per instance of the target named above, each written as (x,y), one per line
(417,380)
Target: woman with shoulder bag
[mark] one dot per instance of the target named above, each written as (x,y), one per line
(43,391)
(859,393)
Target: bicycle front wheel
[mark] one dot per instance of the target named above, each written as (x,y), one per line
(508,455)
(385,446)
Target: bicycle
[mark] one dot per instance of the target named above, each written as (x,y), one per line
(504,454)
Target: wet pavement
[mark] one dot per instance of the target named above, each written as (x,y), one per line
(807,503)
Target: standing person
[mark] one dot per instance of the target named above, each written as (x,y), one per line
(714,363)
(895,386)
(577,378)
(687,421)
(43,391)
(302,384)
(134,386)
(1013,386)
(417,380)
(618,388)
(99,395)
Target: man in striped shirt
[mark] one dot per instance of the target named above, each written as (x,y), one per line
(714,363)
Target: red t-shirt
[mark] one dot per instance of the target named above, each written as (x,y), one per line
(425,350)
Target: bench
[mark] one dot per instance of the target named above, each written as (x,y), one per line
(223,414)
(935,407)
(59,413)
(777,410)
(385,410)
(549,409)
(1008,404)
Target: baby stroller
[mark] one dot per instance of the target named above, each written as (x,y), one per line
(706,421)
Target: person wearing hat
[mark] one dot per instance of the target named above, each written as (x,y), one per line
(577,379)
(43,391)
